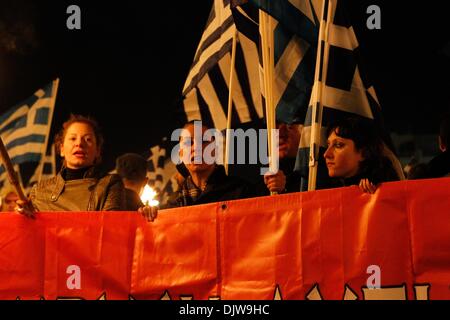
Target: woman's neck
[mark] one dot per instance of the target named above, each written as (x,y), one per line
(75,174)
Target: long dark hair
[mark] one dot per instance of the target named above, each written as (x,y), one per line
(367,139)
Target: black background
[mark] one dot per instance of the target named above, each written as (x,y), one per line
(128,63)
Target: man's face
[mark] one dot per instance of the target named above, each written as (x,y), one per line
(289,136)
(192,149)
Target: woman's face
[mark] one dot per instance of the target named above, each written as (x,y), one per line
(79,147)
(341,157)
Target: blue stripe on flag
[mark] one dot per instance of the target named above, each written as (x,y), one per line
(292,18)
(281,40)
(17,123)
(5,116)
(293,104)
(42,115)
(48,91)
(32,138)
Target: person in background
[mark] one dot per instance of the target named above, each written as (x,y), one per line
(286,180)
(9,198)
(132,168)
(203,181)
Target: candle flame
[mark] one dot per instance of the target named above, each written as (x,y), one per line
(148,196)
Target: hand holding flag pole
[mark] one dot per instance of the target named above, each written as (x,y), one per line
(267,48)
(26,206)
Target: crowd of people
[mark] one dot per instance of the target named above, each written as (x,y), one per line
(355,155)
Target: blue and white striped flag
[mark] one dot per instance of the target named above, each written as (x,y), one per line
(25,129)
(341,89)
(206,88)
(344,86)
(295,28)
(46,168)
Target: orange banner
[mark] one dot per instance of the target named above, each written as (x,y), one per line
(329,244)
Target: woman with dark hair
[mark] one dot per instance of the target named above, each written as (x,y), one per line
(80,185)
(356,155)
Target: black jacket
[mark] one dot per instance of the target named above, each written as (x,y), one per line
(219,187)
(439,166)
(132,200)
(382,172)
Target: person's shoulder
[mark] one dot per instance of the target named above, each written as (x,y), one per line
(43,184)
(110,178)
(439,166)
(442,159)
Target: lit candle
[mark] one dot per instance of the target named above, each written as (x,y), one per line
(148,196)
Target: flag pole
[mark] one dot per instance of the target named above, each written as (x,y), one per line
(52,108)
(317,107)
(230,100)
(12,175)
(267,44)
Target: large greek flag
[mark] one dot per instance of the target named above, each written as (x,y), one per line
(25,128)
(341,89)
(207,85)
(295,29)
(316,48)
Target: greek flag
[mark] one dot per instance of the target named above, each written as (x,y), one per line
(341,89)
(315,47)
(207,85)
(161,172)
(24,130)
(46,168)
(295,28)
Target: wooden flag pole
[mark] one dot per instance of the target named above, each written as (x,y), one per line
(230,101)
(267,43)
(12,175)
(317,107)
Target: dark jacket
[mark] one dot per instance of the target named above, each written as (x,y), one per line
(94,192)
(219,187)
(439,166)
(132,200)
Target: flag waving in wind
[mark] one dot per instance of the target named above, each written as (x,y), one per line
(25,129)
(295,28)
(207,85)
(340,86)
(341,89)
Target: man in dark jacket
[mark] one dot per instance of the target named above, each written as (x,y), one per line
(286,179)
(132,168)
(204,180)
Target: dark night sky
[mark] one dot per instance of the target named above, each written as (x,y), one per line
(127,65)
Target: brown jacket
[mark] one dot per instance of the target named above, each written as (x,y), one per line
(92,193)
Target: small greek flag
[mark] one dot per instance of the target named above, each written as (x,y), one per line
(25,129)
